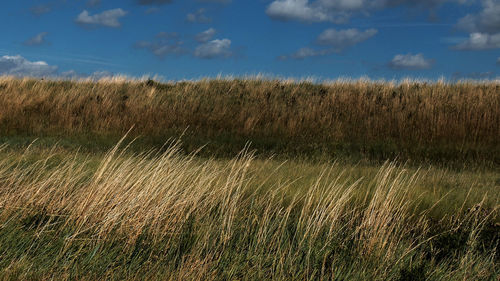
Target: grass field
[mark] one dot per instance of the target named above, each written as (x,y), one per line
(249,180)
(415,121)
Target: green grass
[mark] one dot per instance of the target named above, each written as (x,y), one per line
(270,180)
(439,234)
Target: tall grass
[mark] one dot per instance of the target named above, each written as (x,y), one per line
(412,120)
(166,215)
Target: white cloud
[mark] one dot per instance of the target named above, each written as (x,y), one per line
(341,39)
(205,36)
(299,10)
(484,28)
(19,66)
(109,18)
(218,48)
(480,41)
(39,39)
(338,11)
(411,62)
(198,17)
(335,41)
(486,21)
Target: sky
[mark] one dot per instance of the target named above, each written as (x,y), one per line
(193,39)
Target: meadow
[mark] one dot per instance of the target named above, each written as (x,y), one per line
(249,180)
(419,121)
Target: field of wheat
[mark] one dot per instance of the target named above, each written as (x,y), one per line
(249,180)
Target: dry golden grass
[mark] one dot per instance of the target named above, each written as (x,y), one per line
(215,217)
(414,119)
(163,214)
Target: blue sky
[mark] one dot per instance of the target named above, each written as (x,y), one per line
(190,39)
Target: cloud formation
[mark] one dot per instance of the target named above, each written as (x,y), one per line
(338,11)
(198,17)
(484,28)
(334,40)
(19,66)
(205,36)
(410,62)
(218,48)
(301,10)
(341,39)
(38,40)
(109,18)
(480,41)
(486,21)
(164,44)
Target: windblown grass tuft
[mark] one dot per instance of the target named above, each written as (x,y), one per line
(162,214)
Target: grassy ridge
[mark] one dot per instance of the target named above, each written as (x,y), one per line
(88,209)
(435,122)
(165,215)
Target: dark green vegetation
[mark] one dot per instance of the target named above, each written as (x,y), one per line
(86,210)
